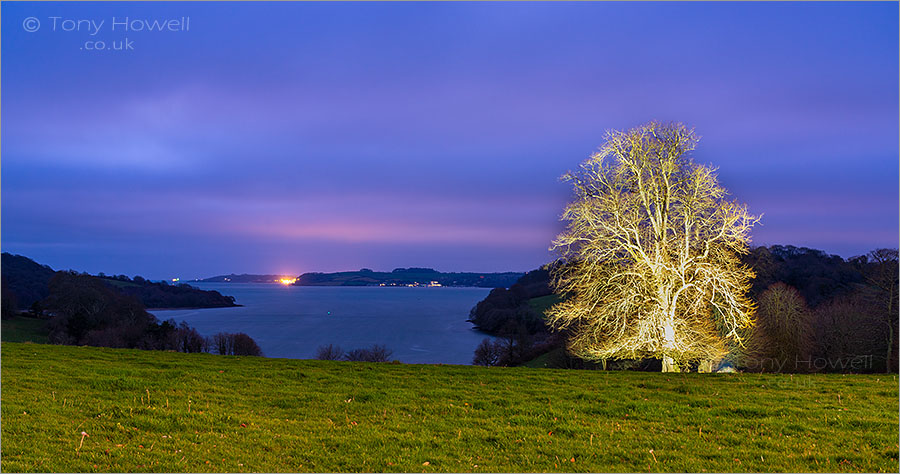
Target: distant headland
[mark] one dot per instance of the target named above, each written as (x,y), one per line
(366,277)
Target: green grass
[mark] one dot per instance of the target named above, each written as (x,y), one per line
(160,411)
(23,329)
(542,303)
(544,360)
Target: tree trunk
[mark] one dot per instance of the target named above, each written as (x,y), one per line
(890,347)
(668,365)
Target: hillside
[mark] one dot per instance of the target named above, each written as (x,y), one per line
(849,307)
(171,412)
(818,276)
(163,295)
(504,307)
(25,282)
(242,278)
(366,277)
(407,277)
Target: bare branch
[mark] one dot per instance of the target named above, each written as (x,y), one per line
(649,258)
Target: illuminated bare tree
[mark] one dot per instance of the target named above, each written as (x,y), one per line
(649,261)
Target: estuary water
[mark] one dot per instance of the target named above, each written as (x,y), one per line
(421,325)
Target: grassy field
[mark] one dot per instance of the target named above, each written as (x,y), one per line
(23,329)
(542,303)
(159,411)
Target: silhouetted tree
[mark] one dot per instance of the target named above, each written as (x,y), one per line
(87,311)
(222,343)
(882,274)
(846,328)
(489,352)
(189,340)
(782,334)
(234,344)
(246,346)
(376,353)
(329,352)
(9,302)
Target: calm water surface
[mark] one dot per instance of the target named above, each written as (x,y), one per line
(421,325)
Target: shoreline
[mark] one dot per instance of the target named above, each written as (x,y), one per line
(193,307)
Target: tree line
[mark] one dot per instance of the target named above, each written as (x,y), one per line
(86,311)
(654,263)
(163,295)
(25,284)
(375,353)
(815,313)
(81,309)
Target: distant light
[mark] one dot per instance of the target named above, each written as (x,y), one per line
(287,281)
(175,279)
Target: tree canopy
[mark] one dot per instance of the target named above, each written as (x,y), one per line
(650,257)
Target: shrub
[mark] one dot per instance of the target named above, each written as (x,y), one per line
(226,343)
(245,345)
(376,353)
(488,353)
(329,352)
(189,340)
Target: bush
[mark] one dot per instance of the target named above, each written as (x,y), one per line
(222,344)
(245,345)
(225,343)
(329,352)
(376,353)
(489,352)
(187,339)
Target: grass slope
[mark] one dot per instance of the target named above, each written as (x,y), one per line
(23,329)
(159,411)
(542,303)
(544,360)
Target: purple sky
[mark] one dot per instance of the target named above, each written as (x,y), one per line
(285,138)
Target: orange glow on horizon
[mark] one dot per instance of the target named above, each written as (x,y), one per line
(287,281)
